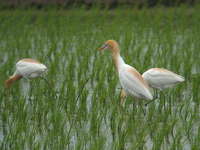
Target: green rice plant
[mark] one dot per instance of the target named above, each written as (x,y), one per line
(77,105)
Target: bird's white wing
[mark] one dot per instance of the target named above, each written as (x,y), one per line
(30,70)
(161,78)
(133,83)
(162,75)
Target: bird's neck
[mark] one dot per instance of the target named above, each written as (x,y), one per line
(118,60)
(11,80)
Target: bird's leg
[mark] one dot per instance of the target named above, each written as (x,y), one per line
(26,85)
(123,97)
(30,91)
(155,94)
(163,98)
(154,98)
(140,104)
(151,101)
(133,105)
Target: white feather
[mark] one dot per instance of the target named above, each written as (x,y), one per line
(161,78)
(30,70)
(132,85)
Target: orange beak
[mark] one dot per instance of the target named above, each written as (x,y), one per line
(103,47)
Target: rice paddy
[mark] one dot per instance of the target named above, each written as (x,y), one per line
(79,107)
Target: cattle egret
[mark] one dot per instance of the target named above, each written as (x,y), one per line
(26,68)
(130,79)
(161,79)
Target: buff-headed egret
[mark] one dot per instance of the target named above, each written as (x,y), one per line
(161,79)
(26,68)
(130,79)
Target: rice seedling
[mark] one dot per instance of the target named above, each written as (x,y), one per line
(80,107)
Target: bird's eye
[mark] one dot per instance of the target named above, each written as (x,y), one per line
(106,45)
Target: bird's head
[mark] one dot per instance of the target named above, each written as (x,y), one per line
(110,45)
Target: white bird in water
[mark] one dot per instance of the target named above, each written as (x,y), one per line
(26,68)
(161,79)
(130,79)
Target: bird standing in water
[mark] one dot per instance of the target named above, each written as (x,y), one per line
(130,79)
(161,79)
(26,68)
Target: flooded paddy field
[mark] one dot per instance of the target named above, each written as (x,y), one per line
(79,107)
